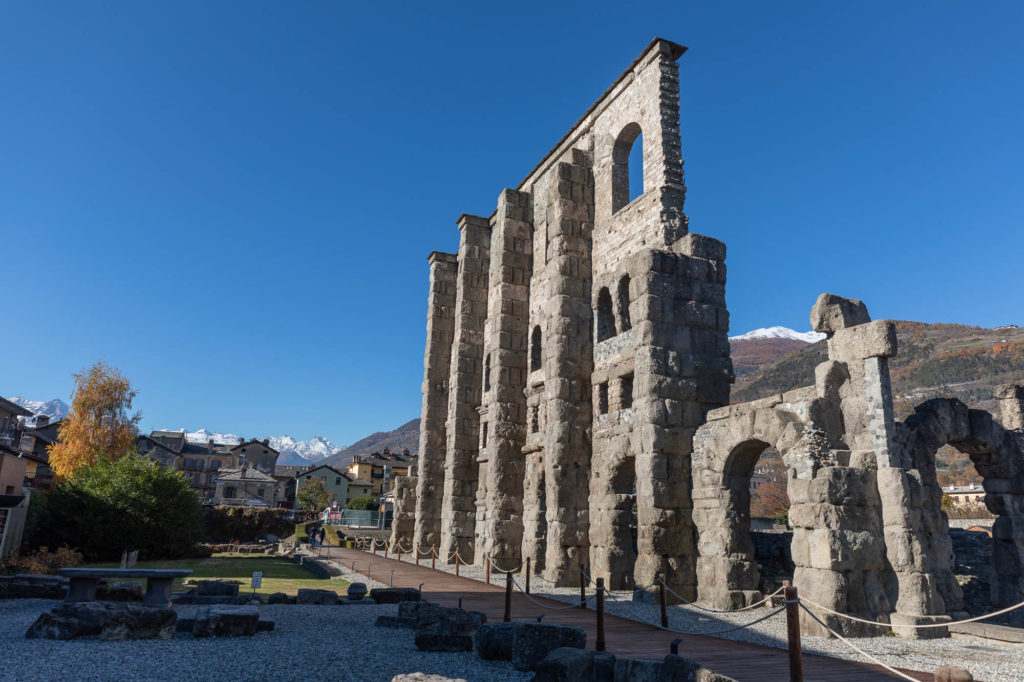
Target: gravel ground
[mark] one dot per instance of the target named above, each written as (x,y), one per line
(308,643)
(984,659)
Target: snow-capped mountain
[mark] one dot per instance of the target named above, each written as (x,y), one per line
(54,409)
(779,333)
(293,452)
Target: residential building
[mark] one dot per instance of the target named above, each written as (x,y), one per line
(359,488)
(381,468)
(244,486)
(13,464)
(335,482)
(36,439)
(202,462)
(966,495)
(257,453)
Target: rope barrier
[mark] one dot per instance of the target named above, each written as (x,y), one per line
(854,647)
(643,619)
(502,570)
(574,605)
(921,626)
(704,608)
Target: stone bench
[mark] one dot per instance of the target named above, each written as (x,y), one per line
(84,582)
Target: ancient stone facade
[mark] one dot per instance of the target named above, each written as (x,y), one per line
(589,342)
(575,399)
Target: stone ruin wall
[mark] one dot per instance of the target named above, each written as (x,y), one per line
(577,349)
(869,536)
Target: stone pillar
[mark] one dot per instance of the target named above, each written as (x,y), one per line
(458,510)
(1011,405)
(502,467)
(436,369)
(403,522)
(568,364)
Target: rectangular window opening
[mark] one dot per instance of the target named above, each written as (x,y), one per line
(626,391)
(602,398)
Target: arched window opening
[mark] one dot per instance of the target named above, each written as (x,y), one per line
(487,372)
(624,323)
(627,166)
(605,319)
(535,357)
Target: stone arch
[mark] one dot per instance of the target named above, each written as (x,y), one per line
(998,456)
(724,457)
(621,152)
(605,316)
(535,349)
(622,301)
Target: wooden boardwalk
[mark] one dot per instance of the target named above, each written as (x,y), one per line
(624,637)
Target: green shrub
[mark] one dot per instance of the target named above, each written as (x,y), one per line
(361,503)
(244,524)
(125,504)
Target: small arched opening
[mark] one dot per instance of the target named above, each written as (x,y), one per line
(627,166)
(605,316)
(535,349)
(979,573)
(623,304)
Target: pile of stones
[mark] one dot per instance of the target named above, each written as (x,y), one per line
(556,653)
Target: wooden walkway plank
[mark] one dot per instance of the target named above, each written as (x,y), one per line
(626,638)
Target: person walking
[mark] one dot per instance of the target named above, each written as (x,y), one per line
(323,535)
(312,537)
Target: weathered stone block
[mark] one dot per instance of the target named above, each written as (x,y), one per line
(104,620)
(832,313)
(532,642)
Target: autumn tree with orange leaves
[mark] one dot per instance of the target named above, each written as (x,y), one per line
(100,425)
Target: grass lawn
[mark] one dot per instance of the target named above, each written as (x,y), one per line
(279,575)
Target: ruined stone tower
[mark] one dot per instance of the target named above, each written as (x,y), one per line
(582,346)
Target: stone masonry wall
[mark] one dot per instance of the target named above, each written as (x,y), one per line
(436,370)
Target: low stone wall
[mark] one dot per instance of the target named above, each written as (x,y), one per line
(772,552)
(972,566)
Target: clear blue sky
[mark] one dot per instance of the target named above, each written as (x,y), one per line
(233,202)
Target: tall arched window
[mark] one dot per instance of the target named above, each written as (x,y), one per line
(487,372)
(535,358)
(624,323)
(605,318)
(627,166)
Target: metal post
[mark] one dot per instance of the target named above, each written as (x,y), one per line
(527,575)
(583,590)
(373,543)
(508,597)
(796,665)
(487,568)
(664,600)
(600,615)
(456,563)
(433,557)
(391,581)
(386,549)
(399,551)
(417,550)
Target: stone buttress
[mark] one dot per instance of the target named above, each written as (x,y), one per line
(436,370)
(458,508)
(499,525)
